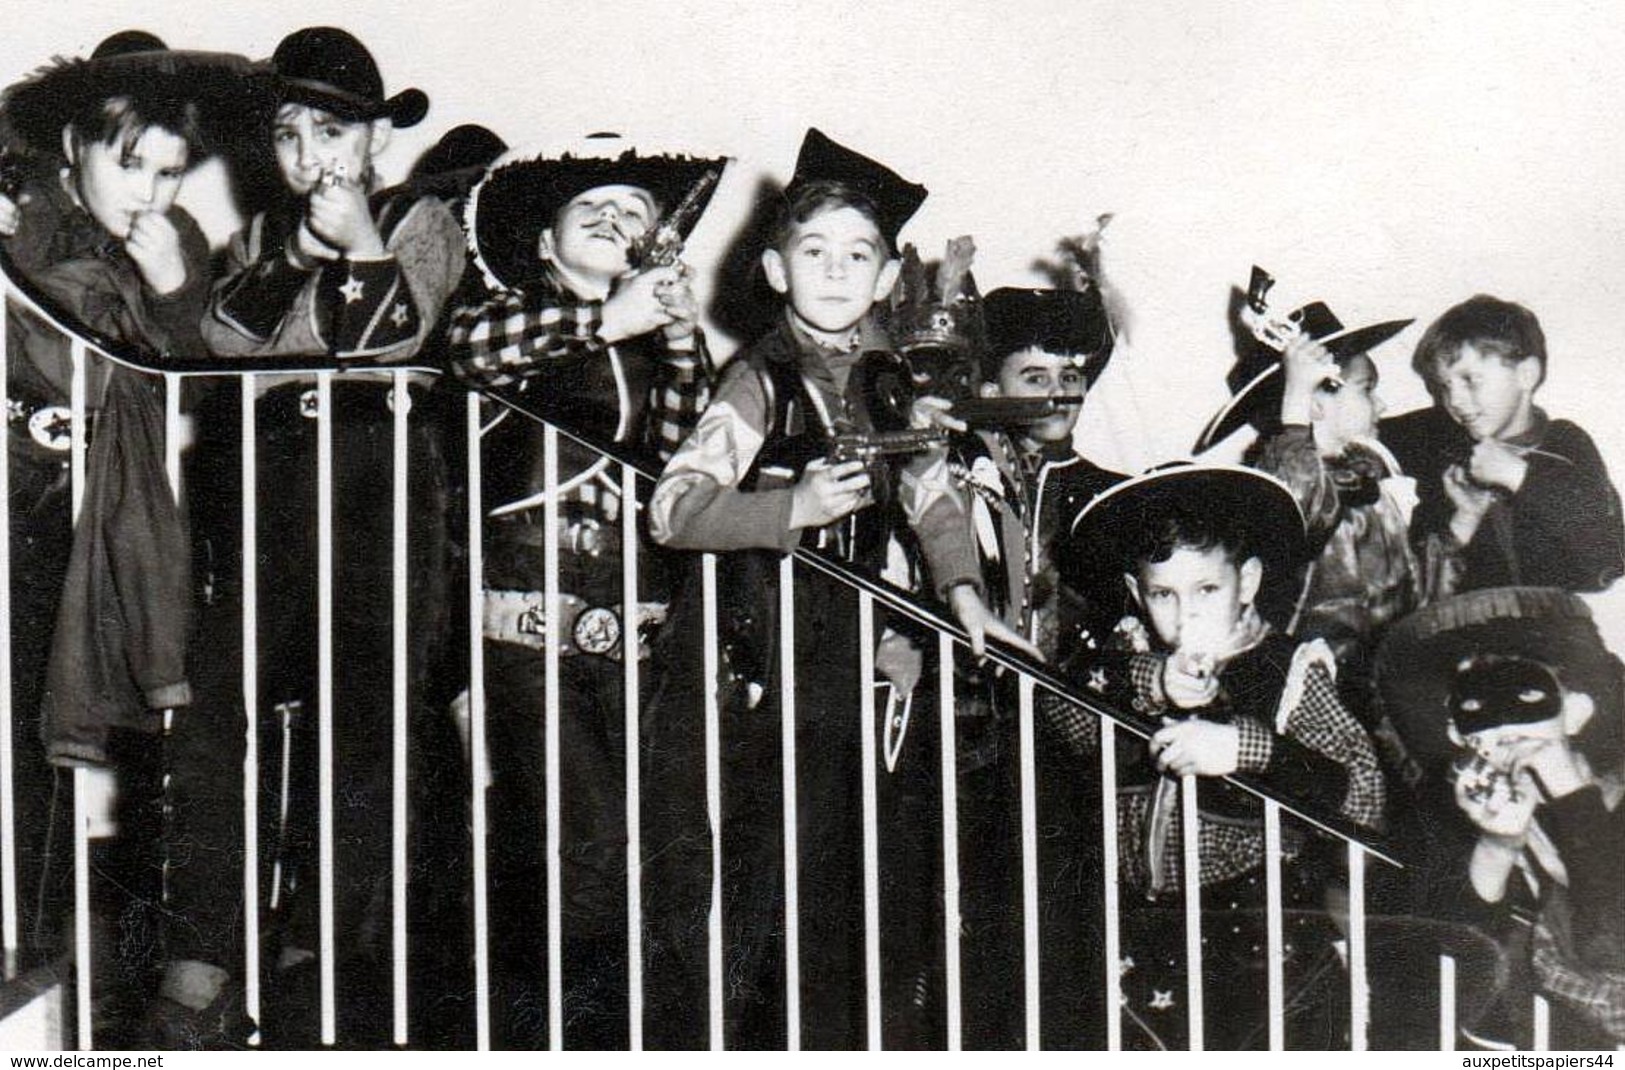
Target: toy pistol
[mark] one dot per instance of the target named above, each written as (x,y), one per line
(870,446)
(662,244)
(1273,331)
(1010,412)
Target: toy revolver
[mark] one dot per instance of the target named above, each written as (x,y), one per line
(1011,412)
(870,446)
(1273,331)
(789,458)
(662,244)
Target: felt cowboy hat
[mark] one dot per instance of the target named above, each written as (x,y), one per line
(133,64)
(327,68)
(523,191)
(1426,656)
(894,198)
(1260,398)
(1257,510)
(1065,322)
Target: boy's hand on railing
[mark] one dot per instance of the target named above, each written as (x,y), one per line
(1196,746)
(636,306)
(155,246)
(982,624)
(827,492)
(899,661)
(338,214)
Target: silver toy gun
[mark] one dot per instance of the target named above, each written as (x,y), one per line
(662,244)
(1273,331)
(871,446)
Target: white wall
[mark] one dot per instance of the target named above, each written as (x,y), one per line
(1388,158)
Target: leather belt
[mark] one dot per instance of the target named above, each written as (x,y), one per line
(520,617)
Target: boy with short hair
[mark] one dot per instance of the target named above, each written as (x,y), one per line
(330,271)
(105,145)
(832,257)
(1530,501)
(1209,555)
(578,334)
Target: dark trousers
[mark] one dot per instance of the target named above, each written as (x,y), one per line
(206,743)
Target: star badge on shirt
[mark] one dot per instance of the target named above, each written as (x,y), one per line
(352,290)
(397,315)
(1161,999)
(1097,680)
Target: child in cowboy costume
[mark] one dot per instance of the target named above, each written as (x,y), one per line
(1510,710)
(91,225)
(1210,555)
(833,257)
(1318,409)
(331,271)
(576,334)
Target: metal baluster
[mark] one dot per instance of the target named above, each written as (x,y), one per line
(1109,872)
(251,700)
(10,928)
(1191,842)
(1359,983)
(401,403)
(950,837)
(1029,861)
(713,794)
(479,773)
(871,818)
(787,741)
(1274,944)
(81,775)
(555,634)
(634,794)
(324,697)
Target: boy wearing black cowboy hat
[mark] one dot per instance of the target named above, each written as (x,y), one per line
(1319,408)
(331,272)
(93,228)
(832,256)
(575,332)
(1209,555)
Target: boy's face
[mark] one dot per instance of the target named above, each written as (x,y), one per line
(120,179)
(1350,412)
(590,235)
(1035,373)
(312,144)
(832,268)
(1195,598)
(1488,396)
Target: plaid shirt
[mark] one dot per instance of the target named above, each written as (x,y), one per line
(517,335)
(1318,721)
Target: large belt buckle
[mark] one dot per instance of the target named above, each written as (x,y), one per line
(52,427)
(597,630)
(533,621)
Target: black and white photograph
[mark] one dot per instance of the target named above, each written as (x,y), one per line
(708,525)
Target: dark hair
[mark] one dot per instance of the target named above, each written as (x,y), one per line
(122,118)
(1493,326)
(1181,527)
(812,198)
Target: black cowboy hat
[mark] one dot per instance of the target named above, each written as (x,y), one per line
(1260,399)
(134,64)
(1110,534)
(522,193)
(326,67)
(1064,322)
(895,199)
(1418,662)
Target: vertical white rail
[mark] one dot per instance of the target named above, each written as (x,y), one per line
(172,432)
(1190,840)
(251,697)
(871,818)
(1359,983)
(1447,1003)
(478,773)
(399,441)
(81,776)
(1274,938)
(324,697)
(552,525)
(950,837)
(787,744)
(10,927)
(1109,872)
(1542,1040)
(1029,862)
(713,796)
(634,794)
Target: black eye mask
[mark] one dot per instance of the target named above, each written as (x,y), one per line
(1489,692)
